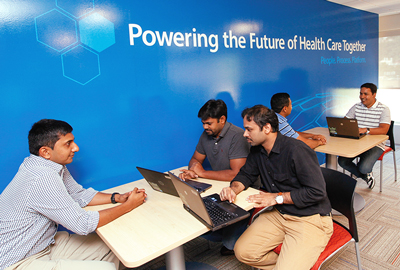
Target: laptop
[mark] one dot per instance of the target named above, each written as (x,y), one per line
(343,127)
(210,210)
(162,182)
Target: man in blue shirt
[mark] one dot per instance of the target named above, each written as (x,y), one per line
(282,105)
(42,195)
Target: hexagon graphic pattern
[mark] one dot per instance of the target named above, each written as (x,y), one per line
(80,64)
(56,30)
(76,8)
(97,32)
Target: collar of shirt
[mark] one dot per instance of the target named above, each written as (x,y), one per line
(223,131)
(372,107)
(37,160)
(277,145)
(281,118)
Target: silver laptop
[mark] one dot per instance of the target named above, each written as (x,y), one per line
(162,182)
(210,210)
(343,127)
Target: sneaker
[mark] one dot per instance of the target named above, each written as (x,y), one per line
(370,180)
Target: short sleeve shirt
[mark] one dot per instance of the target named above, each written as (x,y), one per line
(285,128)
(370,117)
(229,145)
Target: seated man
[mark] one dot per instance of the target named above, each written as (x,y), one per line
(282,105)
(373,118)
(222,143)
(301,214)
(42,195)
(226,149)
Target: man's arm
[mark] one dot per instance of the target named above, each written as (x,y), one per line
(312,140)
(196,169)
(223,175)
(105,198)
(381,130)
(229,193)
(265,199)
(197,158)
(135,198)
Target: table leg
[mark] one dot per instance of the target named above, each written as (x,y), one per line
(175,259)
(331,161)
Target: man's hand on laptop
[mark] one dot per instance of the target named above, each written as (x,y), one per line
(227,194)
(187,174)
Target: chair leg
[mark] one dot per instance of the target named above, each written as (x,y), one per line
(381,176)
(358,256)
(395,167)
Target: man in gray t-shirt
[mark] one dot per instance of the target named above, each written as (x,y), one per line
(226,149)
(221,142)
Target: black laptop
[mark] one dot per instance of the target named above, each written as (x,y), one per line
(343,127)
(210,210)
(162,182)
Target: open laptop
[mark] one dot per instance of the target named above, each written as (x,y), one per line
(162,182)
(343,127)
(209,210)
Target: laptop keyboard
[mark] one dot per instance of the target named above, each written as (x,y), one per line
(217,214)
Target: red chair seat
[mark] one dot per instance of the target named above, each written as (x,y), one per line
(387,150)
(338,239)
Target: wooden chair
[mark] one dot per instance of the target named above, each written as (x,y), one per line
(388,149)
(340,188)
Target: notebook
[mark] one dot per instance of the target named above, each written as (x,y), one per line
(210,210)
(343,127)
(162,182)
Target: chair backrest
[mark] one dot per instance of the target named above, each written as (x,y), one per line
(340,188)
(391,136)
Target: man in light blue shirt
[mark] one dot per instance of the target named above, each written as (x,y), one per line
(42,195)
(282,105)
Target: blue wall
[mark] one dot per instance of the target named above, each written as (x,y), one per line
(133,102)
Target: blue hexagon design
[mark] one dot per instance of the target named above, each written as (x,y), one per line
(56,30)
(97,32)
(76,8)
(80,65)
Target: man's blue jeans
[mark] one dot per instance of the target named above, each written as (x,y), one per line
(364,165)
(230,234)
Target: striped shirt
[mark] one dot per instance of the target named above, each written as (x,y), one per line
(42,195)
(370,117)
(284,127)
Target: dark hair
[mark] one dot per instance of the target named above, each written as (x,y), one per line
(278,101)
(213,109)
(46,132)
(262,115)
(371,86)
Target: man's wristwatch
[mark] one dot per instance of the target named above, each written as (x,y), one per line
(279,198)
(367,131)
(113,197)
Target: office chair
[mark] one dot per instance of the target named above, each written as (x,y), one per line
(340,188)
(388,149)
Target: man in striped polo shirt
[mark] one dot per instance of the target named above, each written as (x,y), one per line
(42,195)
(282,105)
(373,118)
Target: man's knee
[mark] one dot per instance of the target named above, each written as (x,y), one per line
(244,254)
(344,161)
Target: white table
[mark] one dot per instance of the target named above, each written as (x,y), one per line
(161,225)
(345,147)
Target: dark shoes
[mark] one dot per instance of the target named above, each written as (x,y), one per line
(226,252)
